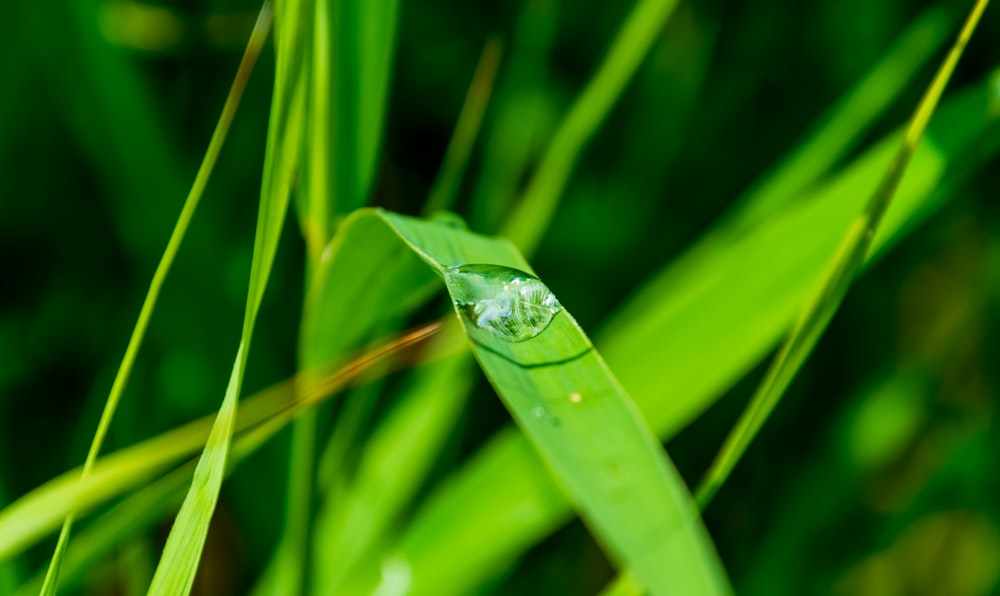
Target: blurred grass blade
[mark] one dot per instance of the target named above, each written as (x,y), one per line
(532,215)
(93,83)
(521,115)
(456,157)
(848,261)
(686,336)
(397,457)
(842,126)
(567,402)
(254,46)
(352,47)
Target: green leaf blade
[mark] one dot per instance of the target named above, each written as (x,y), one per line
(584,426)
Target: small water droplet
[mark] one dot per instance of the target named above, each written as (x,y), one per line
(575,398)
(508,303)
(546,418)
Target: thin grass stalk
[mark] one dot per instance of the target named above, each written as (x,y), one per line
(254,46)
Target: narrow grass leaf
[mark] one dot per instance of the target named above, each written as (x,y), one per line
(687,335)
(848,261)
(532,215)
(253,49)
(456,156)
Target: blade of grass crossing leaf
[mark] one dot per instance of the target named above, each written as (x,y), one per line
(532,215)
(253,49)
(850,256)
(456,156)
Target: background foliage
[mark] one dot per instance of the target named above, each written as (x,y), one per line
(876,474)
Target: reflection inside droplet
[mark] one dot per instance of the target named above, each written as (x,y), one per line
(507,303)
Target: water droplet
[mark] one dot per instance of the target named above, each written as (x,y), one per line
(575,398)
(508,303)
(546,418)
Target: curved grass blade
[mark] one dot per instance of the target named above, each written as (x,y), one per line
(532,215)
(578,419)
(847,262)
(736,298)
(253,49)
(456,156)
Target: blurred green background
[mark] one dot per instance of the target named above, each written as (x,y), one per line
(876,474)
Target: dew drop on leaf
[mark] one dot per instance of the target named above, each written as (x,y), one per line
(507,303)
